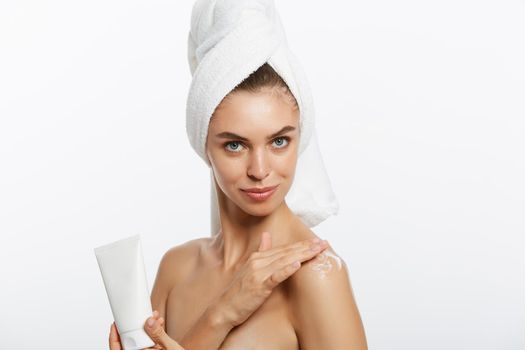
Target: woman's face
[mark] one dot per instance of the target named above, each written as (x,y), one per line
(253,142)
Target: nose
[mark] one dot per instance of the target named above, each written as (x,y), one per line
(259,165)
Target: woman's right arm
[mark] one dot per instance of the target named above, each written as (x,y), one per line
(209,331)
(250,287)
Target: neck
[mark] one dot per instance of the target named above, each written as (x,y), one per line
(240,233)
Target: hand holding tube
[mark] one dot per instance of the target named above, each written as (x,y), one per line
(155,331)
(154,326)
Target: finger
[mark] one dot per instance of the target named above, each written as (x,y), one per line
(281,269)
(289,247)
(156,332)
(156,347)
(282,274)
(283,261)
(114,338)
(266,241)
(288,256)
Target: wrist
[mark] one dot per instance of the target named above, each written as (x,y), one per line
(209,331)
(219,317)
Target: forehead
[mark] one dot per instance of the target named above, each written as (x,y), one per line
(245,111)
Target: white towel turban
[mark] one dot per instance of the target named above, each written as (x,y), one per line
(229,40)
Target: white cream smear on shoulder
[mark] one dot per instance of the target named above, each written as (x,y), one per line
(323,263)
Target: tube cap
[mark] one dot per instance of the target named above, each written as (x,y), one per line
(136,340)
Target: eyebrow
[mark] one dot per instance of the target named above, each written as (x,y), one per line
(230,135)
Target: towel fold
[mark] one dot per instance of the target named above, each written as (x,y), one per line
(228,40)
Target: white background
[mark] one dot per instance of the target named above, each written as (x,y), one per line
(420,115)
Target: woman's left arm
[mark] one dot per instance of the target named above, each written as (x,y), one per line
(325,314)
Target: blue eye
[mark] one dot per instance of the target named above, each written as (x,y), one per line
(232,143)
(280,143)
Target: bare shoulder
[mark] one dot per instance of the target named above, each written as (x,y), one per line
(322,305)
(180,259)
(173,268)
(326,264)
(327,267)
(175,265)
(185,249)
(318,280)
(324,274)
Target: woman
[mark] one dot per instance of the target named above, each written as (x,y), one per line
(217,292)
(261,282)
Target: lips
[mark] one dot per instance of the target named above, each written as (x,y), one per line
(259,189)
(261,193)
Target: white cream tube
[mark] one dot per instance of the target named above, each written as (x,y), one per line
(121,264)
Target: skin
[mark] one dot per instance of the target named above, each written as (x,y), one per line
(205,291)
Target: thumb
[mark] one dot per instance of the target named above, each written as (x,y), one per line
(266,241)
(158,335)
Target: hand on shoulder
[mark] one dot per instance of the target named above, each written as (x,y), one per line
(326,265)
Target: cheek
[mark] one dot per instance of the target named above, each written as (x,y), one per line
(227,170)
(284,168)
(286,164)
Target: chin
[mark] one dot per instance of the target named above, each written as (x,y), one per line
(259,212)
(260,208)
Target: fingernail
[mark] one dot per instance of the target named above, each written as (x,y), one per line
(151,322)
(315,240)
